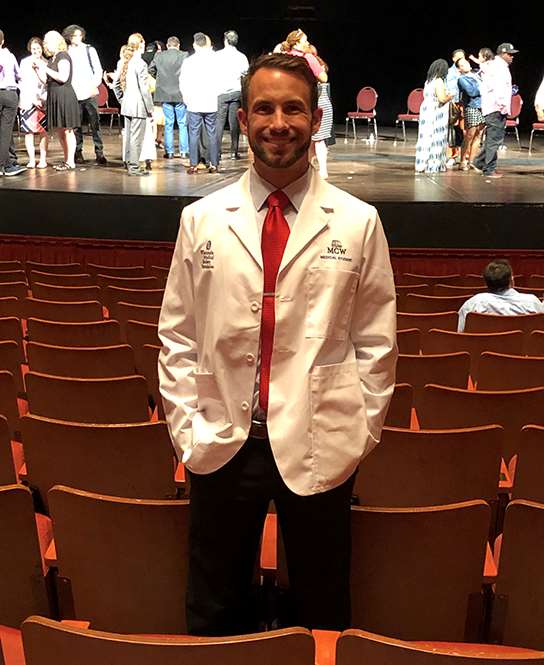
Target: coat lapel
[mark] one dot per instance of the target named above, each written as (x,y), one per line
(242,219)
(314,215)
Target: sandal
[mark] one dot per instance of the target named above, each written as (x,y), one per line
(41,165)
(64,167)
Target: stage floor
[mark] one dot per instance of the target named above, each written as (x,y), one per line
(111,204)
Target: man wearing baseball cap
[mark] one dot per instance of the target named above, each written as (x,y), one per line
(496,106)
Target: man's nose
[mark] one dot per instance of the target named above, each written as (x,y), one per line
(279,120)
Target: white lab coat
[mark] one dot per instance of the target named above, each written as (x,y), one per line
(333,363)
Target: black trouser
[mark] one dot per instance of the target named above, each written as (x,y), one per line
(227,106)
(8,112)
(495,126)
(228,509)
(90,106)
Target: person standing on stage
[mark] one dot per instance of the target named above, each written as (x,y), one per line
(539,102)
(496,91)
(9,80)
(278,362)
(32,101)
(199,84)
(87,76)
(131,89)
(471,100)
(166,68)
(432,142)
(63,112)
(232,66)
(455,127)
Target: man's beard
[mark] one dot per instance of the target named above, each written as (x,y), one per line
(280,161)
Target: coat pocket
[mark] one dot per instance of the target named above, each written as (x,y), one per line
(209,401)
(338,420)
(329,302)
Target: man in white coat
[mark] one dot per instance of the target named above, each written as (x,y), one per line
(277,366)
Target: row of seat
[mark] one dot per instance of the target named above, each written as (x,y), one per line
(74,268)
(456,279)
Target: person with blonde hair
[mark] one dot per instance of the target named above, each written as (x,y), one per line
(63,113)
(131,87)
(32,100)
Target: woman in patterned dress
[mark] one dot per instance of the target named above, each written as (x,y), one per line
(432,142)
(32,114)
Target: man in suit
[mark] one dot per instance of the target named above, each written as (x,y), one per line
(166,67)
(277,367)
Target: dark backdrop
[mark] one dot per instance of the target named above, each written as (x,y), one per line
(389,45)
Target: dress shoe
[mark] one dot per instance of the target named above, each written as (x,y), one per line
(79,159)
(213,169)
(235,155)
(137,172)
(148,165)
(192,170)
(168,155)
(101,159)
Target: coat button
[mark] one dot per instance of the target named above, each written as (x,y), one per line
(255,306)
(250,358)
(245,406)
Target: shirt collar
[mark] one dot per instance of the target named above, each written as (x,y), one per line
(295,191)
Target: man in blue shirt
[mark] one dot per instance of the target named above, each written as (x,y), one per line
(501,298)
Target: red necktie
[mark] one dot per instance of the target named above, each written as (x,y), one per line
(273,241)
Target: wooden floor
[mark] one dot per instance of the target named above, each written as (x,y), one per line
(375,173)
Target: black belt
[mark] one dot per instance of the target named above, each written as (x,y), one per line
(258,430)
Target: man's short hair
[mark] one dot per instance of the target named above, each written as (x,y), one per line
(69,30)
(287,63)
(498,275)
(172,41)
(455,52)
(200,39)
(231,37)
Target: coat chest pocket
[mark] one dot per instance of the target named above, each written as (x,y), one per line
(329,302)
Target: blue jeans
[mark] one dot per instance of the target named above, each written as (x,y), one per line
(175,111)
(195,125)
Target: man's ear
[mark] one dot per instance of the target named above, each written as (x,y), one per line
(317,115)
(242,119)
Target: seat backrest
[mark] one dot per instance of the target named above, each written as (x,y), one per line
(90,333)
(443,408)
(447,369)
(416,302)
(59,293)
(75,312)
(49,642)
(7,468)
(431,467)
(116,271)
(12,276)
(498,371)
(126,559)
(130,460)
(403,290)
(92,363)
(61,280)
(411,278)
(532,280)
(10,306)
(125,312)
(476,322)
(6,266)
(400,407)
(424,322)
(115,294)
(409,341)
(13,290)
(55,268)
(8,402)
(454,290)
(534,344)
(517,103)
(159,271)
(357,646)
(398,588)
(22,584)
(414,101)
(528,479)
(150,356)
(367,98)
(10,330)
(518,613)
(102,95)
(447,341)
(138,334)
(112,400)
(10,361)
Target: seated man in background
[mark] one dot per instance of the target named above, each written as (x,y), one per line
(501,297)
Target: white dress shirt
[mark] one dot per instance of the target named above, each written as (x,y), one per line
(32,90)
(232,66)
(85,79)
(199,81)
(507,303)
(497,87)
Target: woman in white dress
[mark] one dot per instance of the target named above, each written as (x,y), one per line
(432,142)
(32,111)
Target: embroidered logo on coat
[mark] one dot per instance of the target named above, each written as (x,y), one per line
(207,257)
(336,252)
